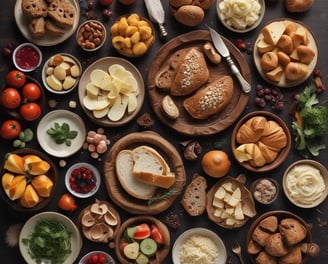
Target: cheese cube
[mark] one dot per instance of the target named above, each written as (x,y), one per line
(227,197)
(272,32)
(230,210)
(235,198)
(218,212)
(228,187)
(230,221)
(239,215)
(220,193)
(218,203)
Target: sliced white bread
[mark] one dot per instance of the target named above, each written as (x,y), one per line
(124,166)
(150,167)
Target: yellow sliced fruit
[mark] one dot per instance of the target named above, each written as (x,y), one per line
(116,112)
(17,187)
(6,180)
(43,185)
(30,197)
(37,168)
(14,163)
(100,78)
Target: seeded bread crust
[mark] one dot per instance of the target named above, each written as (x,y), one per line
(211,99)
(194,197)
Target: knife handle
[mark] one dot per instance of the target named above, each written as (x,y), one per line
(244,84)
(163,32)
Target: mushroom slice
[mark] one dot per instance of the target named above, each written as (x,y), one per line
(87,219)
(86,232)
(101,230)
(110,218)
(99,209)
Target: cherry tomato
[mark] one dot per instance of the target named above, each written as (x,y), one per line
(30,111)
(10,98)
(31,91)
(102,258)
(15,78)
(67,202)
(156,234)
(10,129)
(142,231)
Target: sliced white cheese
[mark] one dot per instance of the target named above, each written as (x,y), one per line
(218,212)
(230,221)
(117,111)
(273,31)
(239,215)
(218,203)
(228,186)
(235,197)
(220,193)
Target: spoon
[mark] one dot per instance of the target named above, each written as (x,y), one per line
(237,250)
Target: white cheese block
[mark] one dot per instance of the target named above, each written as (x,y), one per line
(239,215)
(220,193)
(273,31)
(218,203)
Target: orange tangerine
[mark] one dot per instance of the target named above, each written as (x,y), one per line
(6,180)
(30,197)
(14,163)
(216,163)
(43,185)
(36,167)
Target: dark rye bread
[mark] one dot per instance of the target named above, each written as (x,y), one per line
(62,13)
(194,197)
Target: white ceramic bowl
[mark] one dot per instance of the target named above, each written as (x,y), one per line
(248,28)
(221,250)
(27,57)
(28,228)
(80,39)
(96,178)
(72,61)
(84,259)
(304,184)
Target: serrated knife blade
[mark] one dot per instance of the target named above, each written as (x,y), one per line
(223,50)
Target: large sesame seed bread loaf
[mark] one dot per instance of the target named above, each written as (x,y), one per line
(186,72)
(210,99)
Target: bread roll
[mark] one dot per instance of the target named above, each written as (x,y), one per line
(283,58)
(269,61)
(276,74)
(294,256)
(190,15)
(285,43)
(265,258)
(211,99)
(269,223)
(292,230)
(298,6)
(305,54)
(295,71)
(275,246)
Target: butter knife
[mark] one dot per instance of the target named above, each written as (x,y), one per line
(223,50)
(156,14)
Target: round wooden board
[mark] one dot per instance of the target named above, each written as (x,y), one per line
(116,192)
(185,124)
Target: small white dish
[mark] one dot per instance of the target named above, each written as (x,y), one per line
(75,236)
(61,116)
(96,178)
(68,58)
(84,259)
(27,57)
(222,252)
(248,28)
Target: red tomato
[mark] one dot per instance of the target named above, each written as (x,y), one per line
(156,234)
(31,91)
(67,202)
(10,129)
(10,98)
(142,231)
(30,111)
(15,78)
(102,258)
(93,259)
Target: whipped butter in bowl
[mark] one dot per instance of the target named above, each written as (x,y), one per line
(305,183)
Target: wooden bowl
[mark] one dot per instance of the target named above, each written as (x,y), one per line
(247,202)
(304,179)
(268,184)
(282,155)
(163,248)
(52,174)
(282,215)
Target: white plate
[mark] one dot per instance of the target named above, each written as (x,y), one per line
(247,29)
(103,64)
(222,256)
(22,22)
(61,116)
(76,240)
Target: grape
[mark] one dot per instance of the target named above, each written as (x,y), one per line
(271,95)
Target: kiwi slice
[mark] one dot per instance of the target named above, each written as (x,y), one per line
(148,247)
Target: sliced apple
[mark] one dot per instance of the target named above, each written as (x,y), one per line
(100,113)
(100,78)
(92,90)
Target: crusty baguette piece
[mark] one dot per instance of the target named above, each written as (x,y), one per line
(124,167)
(194,197)
(211,99)
(151,168)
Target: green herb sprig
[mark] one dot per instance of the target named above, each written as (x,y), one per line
(62,133)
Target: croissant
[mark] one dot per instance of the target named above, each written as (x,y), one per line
(297,6)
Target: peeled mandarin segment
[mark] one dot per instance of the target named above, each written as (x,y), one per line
(14,163)
(6,180)
(17,187)
(30,197)
(43,185)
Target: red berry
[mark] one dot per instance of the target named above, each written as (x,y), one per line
(317,73)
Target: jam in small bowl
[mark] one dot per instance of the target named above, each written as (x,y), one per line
(27,57)
(82,180)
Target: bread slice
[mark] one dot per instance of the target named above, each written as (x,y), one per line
(62,12)
(124,167)
(53,29)
(37,27)
(194,197)
(150,167)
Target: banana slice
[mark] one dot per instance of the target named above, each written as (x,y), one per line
(100,78)
(132,102)
(116,112)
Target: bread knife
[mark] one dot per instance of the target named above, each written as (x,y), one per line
(223,50)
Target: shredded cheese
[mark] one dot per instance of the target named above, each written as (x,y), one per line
(198,249)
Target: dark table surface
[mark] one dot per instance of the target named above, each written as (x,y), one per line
(316,18)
